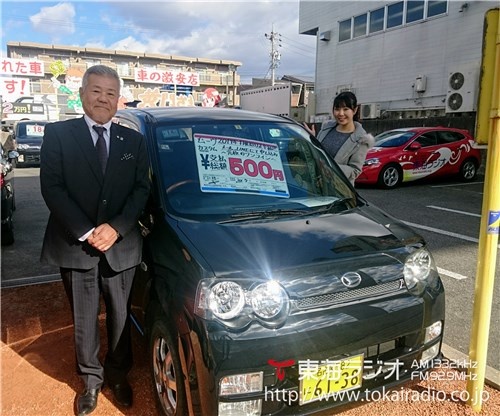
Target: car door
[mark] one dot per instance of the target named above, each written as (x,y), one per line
(425,157)
(453,149)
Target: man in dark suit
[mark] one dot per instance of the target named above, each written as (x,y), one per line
(95,201)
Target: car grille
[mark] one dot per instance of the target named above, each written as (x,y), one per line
(382,289)
(29,158)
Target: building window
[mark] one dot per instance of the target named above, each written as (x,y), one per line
(91,62)
(377,20)
(436,7)
(395,15)
(414,11)
(360,25)
(345,30)
(123,69)
(391,16)
(36,87)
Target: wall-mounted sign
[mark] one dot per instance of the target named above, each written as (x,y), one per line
(158,76)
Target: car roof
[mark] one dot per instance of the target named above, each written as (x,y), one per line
(198,114)
(34,121)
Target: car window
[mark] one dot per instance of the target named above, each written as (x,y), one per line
(393,138)
(427,139)
(223,169)
(446,137)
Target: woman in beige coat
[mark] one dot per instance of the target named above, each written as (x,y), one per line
(344,138)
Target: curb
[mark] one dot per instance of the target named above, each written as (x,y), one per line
(492,375)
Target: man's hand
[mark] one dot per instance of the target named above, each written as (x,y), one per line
(103,237)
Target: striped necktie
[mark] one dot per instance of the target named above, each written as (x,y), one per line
(102,151)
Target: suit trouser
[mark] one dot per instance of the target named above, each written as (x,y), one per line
(84,288)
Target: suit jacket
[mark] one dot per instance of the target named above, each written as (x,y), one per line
(79,196)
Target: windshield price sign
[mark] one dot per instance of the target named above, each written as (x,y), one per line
(231,164)
(34,130)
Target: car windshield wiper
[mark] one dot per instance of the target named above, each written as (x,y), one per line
(338,203)
(263,214)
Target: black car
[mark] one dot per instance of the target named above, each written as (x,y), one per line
(8,200)
(268,285)
(29,137)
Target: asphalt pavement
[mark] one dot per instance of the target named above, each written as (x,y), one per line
(21,266)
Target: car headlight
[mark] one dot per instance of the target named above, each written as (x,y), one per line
(23,146)
(226,300)
(372,161)
(418,267)
(236,303)
(268,299)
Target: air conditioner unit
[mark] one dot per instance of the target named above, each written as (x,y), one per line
(462,90)
(368,111)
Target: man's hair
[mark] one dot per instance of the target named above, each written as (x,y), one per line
(101,70)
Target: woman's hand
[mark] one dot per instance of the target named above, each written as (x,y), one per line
(311,130)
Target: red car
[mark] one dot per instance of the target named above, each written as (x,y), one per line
(409,154)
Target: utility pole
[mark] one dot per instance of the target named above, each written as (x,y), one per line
(275,39)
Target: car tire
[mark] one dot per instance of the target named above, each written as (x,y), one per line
(468,170)
(390,176)
(8,233)
(166,371)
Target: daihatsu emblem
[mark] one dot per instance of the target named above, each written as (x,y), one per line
(351,279)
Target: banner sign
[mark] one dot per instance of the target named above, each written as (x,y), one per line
(24,67)
(13,88)
(158,76)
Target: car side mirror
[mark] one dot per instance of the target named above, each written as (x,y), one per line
(12,155)
(415,146)
(6,167)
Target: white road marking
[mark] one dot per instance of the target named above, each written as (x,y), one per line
(456,184)
(33,280)
(451,274)
(443,232)
(454,210)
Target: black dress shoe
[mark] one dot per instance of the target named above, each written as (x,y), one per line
(86,402)
(122,393)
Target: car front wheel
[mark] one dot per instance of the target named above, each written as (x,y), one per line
(468,170)
(166,371)
(390,176)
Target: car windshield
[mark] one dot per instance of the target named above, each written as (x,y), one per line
(393,138)
(29,131)
(233,171)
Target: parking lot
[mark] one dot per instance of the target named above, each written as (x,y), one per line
(447,214)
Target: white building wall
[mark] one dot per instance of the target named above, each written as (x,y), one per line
(383,67)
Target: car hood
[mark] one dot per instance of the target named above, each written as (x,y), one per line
(30,141)
(382,151)
(294,242)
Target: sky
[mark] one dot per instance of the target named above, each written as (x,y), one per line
(229,29)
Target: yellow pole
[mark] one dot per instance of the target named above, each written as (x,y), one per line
(488,243)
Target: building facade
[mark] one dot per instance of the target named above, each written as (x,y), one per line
(147,79)
(403,59)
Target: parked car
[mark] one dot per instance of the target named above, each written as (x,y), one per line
(268,285)
(8,200)
(29,137)
(410,154)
